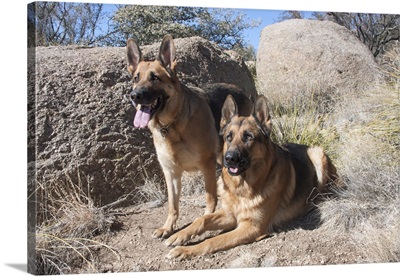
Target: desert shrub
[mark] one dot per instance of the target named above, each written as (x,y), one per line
(360,130)
(390,66)
(368,158)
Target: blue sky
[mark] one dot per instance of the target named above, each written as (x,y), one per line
(267,16)
(251,35)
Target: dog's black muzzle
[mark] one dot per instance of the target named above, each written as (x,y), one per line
(141,95)
(145,96)
(235,162)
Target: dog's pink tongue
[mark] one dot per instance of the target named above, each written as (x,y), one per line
(142,117)
(233,170)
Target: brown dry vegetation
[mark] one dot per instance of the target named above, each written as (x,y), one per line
(360,130)
(362,134)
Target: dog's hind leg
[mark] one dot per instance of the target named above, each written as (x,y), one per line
(173,179)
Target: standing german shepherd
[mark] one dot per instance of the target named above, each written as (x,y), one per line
(184,122)
(262,183)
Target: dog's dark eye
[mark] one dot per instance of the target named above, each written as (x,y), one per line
(153,77)
(229,137)
(136,78)
(247,137)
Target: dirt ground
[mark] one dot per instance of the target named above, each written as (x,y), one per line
(299,244)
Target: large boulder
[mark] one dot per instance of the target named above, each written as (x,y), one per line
(81,124)
(303,58)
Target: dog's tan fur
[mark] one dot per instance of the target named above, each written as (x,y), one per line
(274,185)
(183,126)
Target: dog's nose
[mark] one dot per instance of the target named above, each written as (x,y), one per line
(232,157)
(128,96)
(135,96)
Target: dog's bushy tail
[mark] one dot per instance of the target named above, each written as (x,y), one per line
(326,171)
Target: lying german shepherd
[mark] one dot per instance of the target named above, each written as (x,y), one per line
(263,184)
(184,122)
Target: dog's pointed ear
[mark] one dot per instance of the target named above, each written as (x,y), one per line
(133,55)
(261,112)
(167,53)
(229,110)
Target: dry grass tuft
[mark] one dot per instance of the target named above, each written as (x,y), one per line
(153,190)
(304,123)
(65,235)
(391,67)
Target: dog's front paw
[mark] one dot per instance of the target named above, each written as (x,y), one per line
(180,253)
(178,239)
(162,233)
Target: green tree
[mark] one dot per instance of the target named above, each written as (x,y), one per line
(148,24)
(225,27)
(248,53)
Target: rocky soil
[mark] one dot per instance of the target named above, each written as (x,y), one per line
(301,243)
